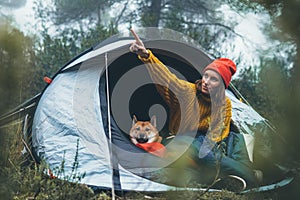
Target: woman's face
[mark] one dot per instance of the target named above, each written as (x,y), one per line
(211,80)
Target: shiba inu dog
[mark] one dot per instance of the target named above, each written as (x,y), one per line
(144,131)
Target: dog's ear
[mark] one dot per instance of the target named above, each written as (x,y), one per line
(134,120)
(153,120)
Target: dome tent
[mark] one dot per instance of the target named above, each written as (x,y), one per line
(87,109)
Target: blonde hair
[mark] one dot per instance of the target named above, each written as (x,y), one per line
(218,112)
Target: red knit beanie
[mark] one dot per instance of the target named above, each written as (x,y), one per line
(223,66)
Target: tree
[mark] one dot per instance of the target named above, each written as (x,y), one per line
(81,13)
(201,20)
(16,55)
(55,50)
(288,25)
(285,28)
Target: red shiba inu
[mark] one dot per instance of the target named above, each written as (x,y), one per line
(144,131)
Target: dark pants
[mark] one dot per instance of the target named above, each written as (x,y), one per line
(200,160)
(229,156)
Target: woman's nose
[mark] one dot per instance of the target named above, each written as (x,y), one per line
(205,81)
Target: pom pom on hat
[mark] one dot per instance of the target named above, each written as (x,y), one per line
(223,66)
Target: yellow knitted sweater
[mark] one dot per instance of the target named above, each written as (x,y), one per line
(189,111)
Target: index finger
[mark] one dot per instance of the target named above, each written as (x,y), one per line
(136,37)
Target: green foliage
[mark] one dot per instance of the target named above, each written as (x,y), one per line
(16,56)
(266,89)
(197,19)
(151,15)
(37,181)
(73,13)
(54,52)
(245,6)
(33,182)
(187,195)
(275,85)
(96,35)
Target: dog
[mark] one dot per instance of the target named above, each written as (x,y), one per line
(143,132)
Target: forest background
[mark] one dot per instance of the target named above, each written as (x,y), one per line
(269,72)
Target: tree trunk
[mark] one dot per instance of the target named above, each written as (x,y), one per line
(151,17)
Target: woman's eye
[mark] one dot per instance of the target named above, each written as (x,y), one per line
(147,129)
(137,128)
(213,78)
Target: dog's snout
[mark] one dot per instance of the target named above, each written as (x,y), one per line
(142,138)
(142,135)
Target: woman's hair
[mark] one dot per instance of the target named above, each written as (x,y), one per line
(218,113)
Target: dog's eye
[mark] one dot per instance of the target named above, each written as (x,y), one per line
(137,128)
(147,129)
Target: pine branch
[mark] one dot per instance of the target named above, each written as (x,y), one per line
(204,24)
(121,14)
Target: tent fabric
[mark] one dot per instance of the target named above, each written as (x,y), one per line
(59,124)
(73,109)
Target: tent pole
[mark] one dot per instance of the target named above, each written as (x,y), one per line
(109,128)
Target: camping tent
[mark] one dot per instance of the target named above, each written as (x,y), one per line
(84,114)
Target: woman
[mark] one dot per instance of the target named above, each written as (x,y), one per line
(204,108)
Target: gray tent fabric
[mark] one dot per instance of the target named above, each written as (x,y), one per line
(70,110)
(59,123)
